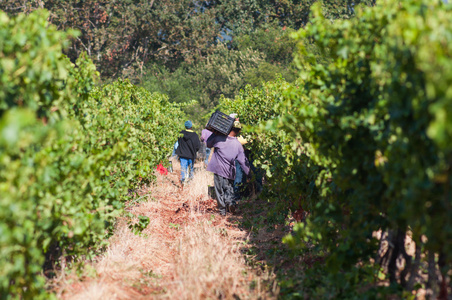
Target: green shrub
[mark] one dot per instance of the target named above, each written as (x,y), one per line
(69,151)
(145,123)
(364,137)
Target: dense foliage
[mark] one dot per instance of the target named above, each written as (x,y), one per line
(371,126)
(221,73)
(368,132)
(361,140)
(144,123)
(69,151)
(124,33)
(282,159)
(187,49)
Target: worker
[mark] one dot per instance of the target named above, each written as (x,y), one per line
(227,149)
(188,147)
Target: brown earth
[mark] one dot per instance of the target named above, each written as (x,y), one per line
(188,251)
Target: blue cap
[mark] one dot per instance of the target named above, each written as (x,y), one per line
(188,124)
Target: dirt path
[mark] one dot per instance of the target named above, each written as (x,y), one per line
(188,251)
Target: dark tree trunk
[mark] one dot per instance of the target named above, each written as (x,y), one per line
(415,266)
(401,235)
(393,255)
(443,271)
(432,282)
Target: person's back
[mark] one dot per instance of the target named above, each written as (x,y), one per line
(188,144)
(227,150)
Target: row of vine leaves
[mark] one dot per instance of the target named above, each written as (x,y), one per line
(362,142)
(70,150)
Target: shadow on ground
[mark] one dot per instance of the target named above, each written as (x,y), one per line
(265,252)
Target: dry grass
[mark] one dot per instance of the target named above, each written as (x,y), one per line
(186,252)
(208,265)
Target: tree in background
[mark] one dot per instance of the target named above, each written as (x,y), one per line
(191,50)
(221,73)
(124,35)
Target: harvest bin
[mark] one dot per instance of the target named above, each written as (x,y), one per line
(220,122)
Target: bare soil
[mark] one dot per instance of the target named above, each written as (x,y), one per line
(188,251)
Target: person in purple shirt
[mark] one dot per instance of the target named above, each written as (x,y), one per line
(205,134)
(227,150)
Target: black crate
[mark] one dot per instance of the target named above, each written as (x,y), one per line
(220,122)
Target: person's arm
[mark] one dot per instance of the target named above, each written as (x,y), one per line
(202,135)
(177,148)
(211,140)
(243,161)
(198,143)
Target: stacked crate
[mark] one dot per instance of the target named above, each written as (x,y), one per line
(220,122)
